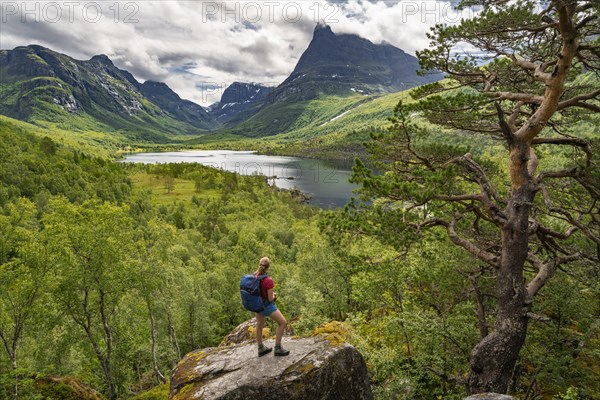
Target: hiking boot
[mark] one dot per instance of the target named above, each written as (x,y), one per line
(262,350)
(280,351)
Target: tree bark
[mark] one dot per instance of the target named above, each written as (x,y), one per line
(138,369)
(493,359)
(11,350)
(481,318)
(191,327)
(104,362)
(13,361)
(173,334)
(159,374)
(112,390)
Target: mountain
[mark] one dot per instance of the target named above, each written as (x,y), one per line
(184,110)
(38,84)
(336,73)
(341,63)
(337,66)
(237,98)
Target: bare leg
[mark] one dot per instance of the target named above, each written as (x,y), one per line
(260,323)
(278,317)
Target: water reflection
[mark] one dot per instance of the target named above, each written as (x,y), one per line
(326,181)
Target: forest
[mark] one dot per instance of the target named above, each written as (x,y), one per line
(109,283)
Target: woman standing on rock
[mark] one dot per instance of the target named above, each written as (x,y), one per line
(269,297)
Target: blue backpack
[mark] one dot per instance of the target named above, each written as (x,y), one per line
(251,294)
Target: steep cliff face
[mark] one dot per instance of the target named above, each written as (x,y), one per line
(314,370)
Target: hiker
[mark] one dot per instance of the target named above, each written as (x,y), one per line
(269,297)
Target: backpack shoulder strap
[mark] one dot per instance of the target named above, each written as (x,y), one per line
(260,279)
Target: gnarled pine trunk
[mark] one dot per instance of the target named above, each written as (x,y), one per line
(494,358)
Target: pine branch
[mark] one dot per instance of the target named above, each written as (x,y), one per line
(481,254)
(547,270)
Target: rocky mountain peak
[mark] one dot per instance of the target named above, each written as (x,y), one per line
(323,29)
(102,59)
(237,98)
(239,92)
(339,62)
(153,88)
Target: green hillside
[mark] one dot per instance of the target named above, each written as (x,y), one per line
(327,127)
(41,86)
(333,127)
(292,115)
(102,143)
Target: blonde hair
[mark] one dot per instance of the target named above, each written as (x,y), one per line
(263,265)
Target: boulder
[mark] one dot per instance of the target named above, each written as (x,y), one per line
(490,396)
(244,333)
(314,370)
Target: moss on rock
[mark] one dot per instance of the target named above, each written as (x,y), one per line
(184,393)
(335,332)
(160,392)
(65,388)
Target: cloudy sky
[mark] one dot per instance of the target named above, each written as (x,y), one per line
(200,47)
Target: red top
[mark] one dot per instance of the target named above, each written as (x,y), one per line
(265,285)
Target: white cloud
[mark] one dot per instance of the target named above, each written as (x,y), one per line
(192,45)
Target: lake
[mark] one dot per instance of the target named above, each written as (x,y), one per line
(326,181)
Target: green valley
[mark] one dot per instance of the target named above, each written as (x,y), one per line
(186,233)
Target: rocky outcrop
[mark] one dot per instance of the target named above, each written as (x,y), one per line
(490,396)
(314,370)
(244,333)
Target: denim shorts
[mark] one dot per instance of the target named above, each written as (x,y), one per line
(270,308)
